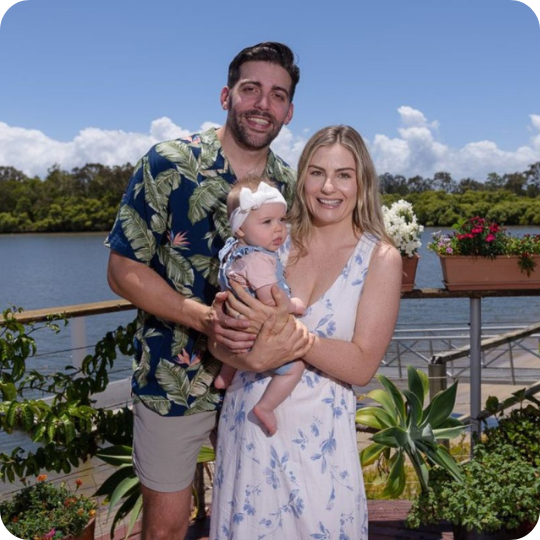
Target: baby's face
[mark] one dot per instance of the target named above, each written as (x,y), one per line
(265,227)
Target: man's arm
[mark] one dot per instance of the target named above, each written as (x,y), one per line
(147,290)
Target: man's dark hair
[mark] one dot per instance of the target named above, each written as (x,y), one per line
(269,51)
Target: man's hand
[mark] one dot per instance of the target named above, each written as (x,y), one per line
(245,306)
(231,332)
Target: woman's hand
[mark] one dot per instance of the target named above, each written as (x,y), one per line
(272,348)
(242,305)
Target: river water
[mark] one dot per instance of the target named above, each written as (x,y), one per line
(52,270)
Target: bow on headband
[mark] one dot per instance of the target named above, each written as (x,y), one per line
(252,200)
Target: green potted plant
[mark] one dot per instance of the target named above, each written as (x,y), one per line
(46,511)
(499,497)
(402,226)
(481,255)
(405,429)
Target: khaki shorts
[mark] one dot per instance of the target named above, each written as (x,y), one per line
(165,449)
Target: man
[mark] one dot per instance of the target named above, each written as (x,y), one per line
(164,244)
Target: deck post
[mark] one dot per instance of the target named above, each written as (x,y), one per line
(476,365)
(437,379)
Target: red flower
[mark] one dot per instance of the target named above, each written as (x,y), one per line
(78,482)
(490,238)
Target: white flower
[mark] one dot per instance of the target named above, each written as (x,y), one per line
(401,225)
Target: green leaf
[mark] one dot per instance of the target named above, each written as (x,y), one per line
(415,407)
(112,482)
(371,453)
(448,433)
(374,417)
(418,383)
(441,407)
(383,398)
(394,437)
(131,502)
(442,457)
(395,483)
(395,394)
(9,391)
(206,454)
(135,513)
(123,489)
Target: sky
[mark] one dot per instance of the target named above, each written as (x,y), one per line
(432,85)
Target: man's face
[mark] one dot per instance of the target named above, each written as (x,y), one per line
(258,104)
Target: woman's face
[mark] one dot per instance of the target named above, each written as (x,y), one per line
(330,188)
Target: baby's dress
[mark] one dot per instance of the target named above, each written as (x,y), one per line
(252,267)
(304,482)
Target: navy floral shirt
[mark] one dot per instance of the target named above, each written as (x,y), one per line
(173,219)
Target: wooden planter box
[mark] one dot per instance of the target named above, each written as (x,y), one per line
(481,274)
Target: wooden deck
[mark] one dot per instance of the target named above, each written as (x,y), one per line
(386,522)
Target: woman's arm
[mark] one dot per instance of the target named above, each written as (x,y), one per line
(357,361)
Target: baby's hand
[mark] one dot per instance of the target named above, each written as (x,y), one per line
(299,307)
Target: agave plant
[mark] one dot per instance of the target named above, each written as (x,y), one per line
(406,429)
(124,485)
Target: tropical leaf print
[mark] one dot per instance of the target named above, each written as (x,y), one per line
(207,158)
(137,232)
(182,156)
(174,380)
(179,340)
(143,367)
(221,222)
(206,402)
(206,197)
(159,404)
(202,382)
(178,268)
(157,193)
(207,266)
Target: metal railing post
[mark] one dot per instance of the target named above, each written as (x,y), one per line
(476,364)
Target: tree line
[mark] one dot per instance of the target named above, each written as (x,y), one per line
(87,198)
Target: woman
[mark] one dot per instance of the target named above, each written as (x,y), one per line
(305,481)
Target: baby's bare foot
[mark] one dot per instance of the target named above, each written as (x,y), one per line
(267,418)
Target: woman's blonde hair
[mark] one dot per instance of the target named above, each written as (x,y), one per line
(367,215)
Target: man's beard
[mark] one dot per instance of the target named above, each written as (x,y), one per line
(246,138)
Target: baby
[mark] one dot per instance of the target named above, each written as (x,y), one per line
(256,213)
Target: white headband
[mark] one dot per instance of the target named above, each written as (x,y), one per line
(252,200)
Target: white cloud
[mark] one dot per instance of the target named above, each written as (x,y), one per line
(32,152)
(415,150)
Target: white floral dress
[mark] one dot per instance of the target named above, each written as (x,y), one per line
(305,481)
